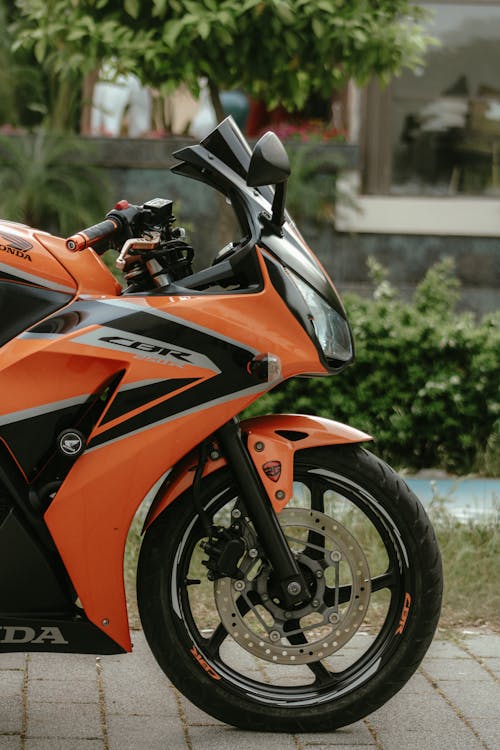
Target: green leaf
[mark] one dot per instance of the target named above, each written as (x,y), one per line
(328,7)
(171,32)
(40,49)
(204,28)
(132,7)
(318,27)
(285,12)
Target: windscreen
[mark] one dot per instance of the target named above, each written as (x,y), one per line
(222,160)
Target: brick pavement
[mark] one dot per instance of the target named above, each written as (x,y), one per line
(71,702)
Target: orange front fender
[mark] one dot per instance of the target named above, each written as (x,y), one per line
(272,442)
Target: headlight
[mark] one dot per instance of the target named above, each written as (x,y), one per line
(331,328)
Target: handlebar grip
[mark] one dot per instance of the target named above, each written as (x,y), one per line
(94,234)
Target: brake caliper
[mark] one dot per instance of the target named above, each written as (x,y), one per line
(225,548)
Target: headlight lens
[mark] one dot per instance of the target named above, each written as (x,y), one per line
(331,328)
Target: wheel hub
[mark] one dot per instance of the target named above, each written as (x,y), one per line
(338,577)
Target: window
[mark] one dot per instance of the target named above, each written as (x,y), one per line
(436,131)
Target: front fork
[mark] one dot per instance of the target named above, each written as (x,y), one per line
(261,513)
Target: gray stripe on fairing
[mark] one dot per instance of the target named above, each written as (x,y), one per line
(36,411)
(201,407)
(98,336)
(179,320)
(36,279)
(39,336)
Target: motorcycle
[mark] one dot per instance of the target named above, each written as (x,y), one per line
(288,579)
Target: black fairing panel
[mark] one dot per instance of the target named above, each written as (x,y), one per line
(27,580)
(23,305)
(65,635)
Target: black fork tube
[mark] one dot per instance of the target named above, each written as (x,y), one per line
(262,514)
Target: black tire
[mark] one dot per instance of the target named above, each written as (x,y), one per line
(381,653)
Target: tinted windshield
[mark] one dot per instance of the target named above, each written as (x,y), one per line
(222,160)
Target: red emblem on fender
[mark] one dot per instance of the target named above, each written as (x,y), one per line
(272,469)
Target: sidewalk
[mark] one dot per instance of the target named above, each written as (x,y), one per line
(69,702)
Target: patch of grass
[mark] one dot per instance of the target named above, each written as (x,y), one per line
(130,570)
(471,562)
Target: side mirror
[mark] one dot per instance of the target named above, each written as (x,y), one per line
(269,164)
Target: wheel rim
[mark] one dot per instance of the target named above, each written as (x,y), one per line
(326,671)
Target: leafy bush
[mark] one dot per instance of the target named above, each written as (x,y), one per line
(424,383)
(48,182)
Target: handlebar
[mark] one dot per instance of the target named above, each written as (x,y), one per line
(93,234)
(123,222)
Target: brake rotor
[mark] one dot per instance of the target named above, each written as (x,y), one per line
(338,577)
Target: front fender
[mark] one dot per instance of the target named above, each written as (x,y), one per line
(272,442)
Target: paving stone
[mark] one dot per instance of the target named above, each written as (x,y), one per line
(11,714)
(9,743)
(227,738)
(412,711)
(63,691)
(422,721)
(62,667)
(484,645)
(136,733)
(416,684)
(461,669)
(62,743)
(135,683)
(195,716)
(356,735)
(456,739)
(446,650)
(488,730)
(481,701)
(73,720)
(11,683)
(493,665)
(12,661)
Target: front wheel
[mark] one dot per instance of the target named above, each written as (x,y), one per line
(373,568)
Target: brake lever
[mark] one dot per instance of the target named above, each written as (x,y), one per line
(135,243)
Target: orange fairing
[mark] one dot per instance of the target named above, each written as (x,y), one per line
(25,258)
(92,274)
(272,439)
(91,514)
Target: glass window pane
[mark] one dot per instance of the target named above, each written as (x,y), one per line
(446,117)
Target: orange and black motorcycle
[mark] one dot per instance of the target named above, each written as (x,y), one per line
(288,579)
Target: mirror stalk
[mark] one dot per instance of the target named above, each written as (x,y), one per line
(279,201)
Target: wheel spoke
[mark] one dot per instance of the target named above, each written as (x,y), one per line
(220,633)
(215,641)
(322,674)
(385,581)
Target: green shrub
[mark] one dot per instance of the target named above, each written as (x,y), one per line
(424,383)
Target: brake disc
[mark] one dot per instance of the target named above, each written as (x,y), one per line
(338,577)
